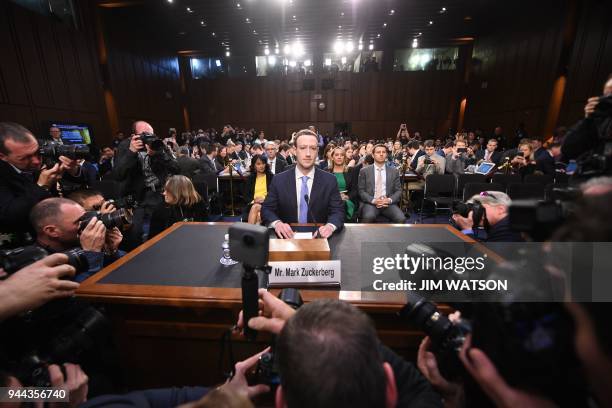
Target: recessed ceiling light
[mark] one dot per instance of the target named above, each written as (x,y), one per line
(391,12)
(238,5)
(227,53)
(384,25)
(342,14)
(170,1)
(443,10)
(266,51)
(377,35)
(430,22)
(202,23)
(189,10)
(255,32)
(371,47)
(297,29)
(339,26)
(247,20)
(360,47)
(293,17)
(213,34)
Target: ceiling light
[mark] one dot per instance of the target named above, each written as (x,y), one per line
(255,32)
(276,50)
(415,43)
(371,47)
(340,27)
(349,46)
(292,64)
(443,10)
(214,34)
(298,49)
(297,29)
(290,1)
(218,63)
(377,35)
(287,49)
(238,5)
(189,10)
(170,1)
(360,47)
(294,18)
(391,12)
(342,14)
(430,22)
(247,20)
(272,60)
(203,23)
(343,60)
(327,62)
(307,63)
(227,53)
(266,51)
(384,25)
(338,47)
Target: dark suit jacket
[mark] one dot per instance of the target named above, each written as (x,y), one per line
(367,184)
(415,160)
(188,165)
(18,194)
(281,164)
(546,164)
(129,171)
(495,158)
(207,166)
(352,187)
(325,204)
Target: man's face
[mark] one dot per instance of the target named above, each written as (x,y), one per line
(556,151)
(256,150)
(380,155)
(143,127)
(55,133)
(369,148)
(307,148)
(24,156)
(498,130)
(271,151)
(238,148)
(536,144)
(430,150)
(525,150)
(491,146)
(66,229)
(495,213)
(108,152)
(608,88)
(397,146)
(459,145)
(262,135)
(93,203)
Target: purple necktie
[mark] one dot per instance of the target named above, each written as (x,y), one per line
(303,218)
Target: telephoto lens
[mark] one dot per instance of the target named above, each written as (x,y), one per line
(119,218)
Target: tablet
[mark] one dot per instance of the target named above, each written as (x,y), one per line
(484,168)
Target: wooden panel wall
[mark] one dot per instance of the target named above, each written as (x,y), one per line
(512,76)
(591,59)
(144,77)
(48,72)
(373,103)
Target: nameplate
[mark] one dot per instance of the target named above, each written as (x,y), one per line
(304,273)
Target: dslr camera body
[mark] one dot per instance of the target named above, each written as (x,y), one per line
(151,140)
(119,218)
(51,151)
(12,260)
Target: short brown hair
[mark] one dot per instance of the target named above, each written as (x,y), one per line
(15,132)
(376,146)
(182,190)
(305,132)
(428,143)
(48,209)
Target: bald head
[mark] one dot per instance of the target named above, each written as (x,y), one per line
(140,126)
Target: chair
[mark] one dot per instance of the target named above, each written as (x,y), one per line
(212,192)
(526,191)
(561,178)
(110,189)
(542,180)
(439,189)
(463,179)
(505,179)
(471,189)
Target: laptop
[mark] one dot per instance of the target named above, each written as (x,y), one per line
(484,168)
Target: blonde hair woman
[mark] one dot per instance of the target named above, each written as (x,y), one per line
(181,203)
(345,176)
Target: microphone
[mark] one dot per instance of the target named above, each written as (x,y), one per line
(309,213)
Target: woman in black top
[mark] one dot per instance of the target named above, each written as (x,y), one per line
(257,185)
(181,203)
(222,158)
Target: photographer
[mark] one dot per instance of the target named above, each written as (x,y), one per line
(144,168)
(58,226)
(430,162)
(594,132)
(350,368)
(488,209)
(456,160)
(24,180)
(92,200)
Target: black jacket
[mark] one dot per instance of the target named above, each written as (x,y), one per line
(188,165)
(208,166)
(546,164)
(281,164)
(165,215)
(495,157)
(585,136)
(19,193)
(129,171)
(250,186)
(351,177)
(501,232)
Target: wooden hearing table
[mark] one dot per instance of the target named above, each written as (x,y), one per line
(170,299)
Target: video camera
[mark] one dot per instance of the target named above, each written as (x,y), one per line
(51,151)
(13,260)
(118,218)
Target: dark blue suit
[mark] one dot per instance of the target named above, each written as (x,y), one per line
(325,204)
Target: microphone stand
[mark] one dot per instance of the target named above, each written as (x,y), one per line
(231,180)
(309,212)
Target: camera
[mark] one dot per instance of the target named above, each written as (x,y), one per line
(462,150)
(128,202)
(519,154)
(51,151)
(463,209)
(604,107)
(267,368)
(149,139)
(446,337)
(15,259)
(427,160)
(119,218)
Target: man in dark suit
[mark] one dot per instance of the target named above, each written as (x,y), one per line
(276,162)
(415,151)
(490,154)
(208,163)
(23,180)
(305,194)
(380,189)
(546,161)
(187,165)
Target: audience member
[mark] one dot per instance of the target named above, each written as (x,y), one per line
(380,190)
(257,185)
(188,166)
(456,159)
(524,163)
(430,162)
(276,162)
(490,153)
(347,183)
(181,203)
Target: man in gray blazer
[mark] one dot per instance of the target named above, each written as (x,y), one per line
(207,161)
(380,189)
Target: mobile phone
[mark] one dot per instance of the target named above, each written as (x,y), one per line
(462,150)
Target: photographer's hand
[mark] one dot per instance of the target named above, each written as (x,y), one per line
(112,240)
(36,284)
(428,365)
(462,222)
(48,177)
(591,105)
(239,383)
(69,165)
(136,144)
(107,207)
(93,236)
(273,314)
(76,383)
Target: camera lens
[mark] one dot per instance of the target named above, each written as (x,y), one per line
(78,260)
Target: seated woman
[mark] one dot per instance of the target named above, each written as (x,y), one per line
(181,203)
(347,181)
(257,187)
(524,163)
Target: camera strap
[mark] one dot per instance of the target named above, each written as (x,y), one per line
(226,340)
